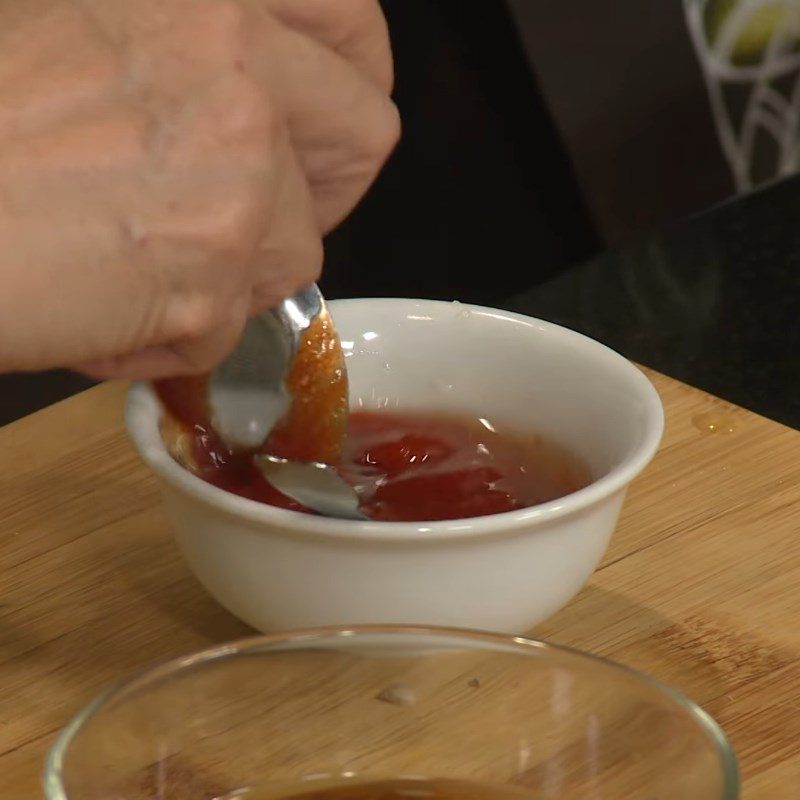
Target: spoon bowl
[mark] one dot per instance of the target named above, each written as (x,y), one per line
(313,485)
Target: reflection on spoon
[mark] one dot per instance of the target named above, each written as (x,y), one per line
(313,485)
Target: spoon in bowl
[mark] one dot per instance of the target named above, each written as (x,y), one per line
(316,486)
(282,393)
(247,393)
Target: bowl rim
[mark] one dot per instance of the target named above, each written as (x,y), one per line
(143,412)
(52,776)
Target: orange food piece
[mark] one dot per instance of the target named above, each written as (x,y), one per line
(316,423)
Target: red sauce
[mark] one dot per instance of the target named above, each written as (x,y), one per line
(415,467)
(233,471)
(407,467)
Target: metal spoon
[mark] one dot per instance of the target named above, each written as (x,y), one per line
(247,396)
(313,485)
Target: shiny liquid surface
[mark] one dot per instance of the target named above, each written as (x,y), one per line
(411,467)
(417,467)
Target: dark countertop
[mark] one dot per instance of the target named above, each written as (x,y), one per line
(713,302)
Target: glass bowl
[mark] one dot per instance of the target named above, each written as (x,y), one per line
(374,703)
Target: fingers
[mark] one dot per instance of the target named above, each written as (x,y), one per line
(229,125)
(189,184)
(287,253)
(200,334)
(190,357)
(343,127)
(355,29)
(290,255)
(82,74)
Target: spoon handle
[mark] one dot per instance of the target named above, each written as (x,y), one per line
(296,313)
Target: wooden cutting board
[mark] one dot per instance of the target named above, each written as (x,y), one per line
(700,587)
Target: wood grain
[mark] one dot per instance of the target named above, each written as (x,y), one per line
(700,587)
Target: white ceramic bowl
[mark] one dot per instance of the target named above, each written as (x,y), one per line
(279,569)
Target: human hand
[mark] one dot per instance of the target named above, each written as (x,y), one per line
(168,167)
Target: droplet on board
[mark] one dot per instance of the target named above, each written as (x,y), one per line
(714,421)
